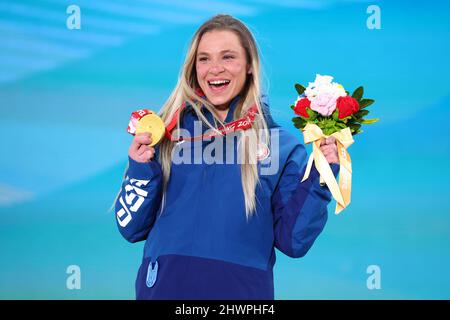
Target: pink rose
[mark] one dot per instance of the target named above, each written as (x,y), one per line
(324,103)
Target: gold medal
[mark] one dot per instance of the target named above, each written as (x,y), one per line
(151,123)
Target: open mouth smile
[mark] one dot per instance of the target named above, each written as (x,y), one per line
(218,85)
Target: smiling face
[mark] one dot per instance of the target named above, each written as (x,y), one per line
(222,67)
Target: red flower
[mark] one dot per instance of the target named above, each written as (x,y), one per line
(347,106)
(300,107)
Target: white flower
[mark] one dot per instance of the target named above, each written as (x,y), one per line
(339,89)
(323,80)
(323,93)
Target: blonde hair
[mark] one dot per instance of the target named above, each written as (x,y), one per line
(185,91)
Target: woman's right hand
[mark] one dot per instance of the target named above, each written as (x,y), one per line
(140,149)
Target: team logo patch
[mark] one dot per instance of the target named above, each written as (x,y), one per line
(263,152)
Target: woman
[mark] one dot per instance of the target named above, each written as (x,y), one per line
(210,216)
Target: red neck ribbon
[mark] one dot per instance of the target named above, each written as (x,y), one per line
(244,123)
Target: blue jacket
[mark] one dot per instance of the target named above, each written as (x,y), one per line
(202,246)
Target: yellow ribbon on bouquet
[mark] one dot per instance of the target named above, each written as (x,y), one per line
(341,193)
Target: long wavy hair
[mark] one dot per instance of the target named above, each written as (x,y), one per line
(185,91)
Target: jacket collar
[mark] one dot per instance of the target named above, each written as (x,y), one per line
(208,114)
(233,104)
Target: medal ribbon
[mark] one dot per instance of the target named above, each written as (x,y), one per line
(244,123)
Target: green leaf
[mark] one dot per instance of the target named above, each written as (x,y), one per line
(370,121)
(358,93)
(335,115)
(341,125)
(300,89)
(299,123)
(311,114)
(361,113)
(298,120)
(354,127)
(364,103)
(292,107)
(347,119)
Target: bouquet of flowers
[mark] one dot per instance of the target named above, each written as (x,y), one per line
(324,109)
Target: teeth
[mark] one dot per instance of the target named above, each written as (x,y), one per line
(219,82)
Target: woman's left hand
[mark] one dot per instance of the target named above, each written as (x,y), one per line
(329,149)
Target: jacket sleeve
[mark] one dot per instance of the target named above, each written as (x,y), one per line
(139,199)
(300,208)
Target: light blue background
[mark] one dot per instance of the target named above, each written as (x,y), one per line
(66,97)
